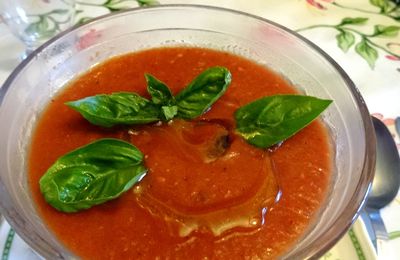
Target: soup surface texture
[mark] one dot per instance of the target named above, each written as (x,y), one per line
(198,200)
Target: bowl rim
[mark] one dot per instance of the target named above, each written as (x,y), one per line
(358,198)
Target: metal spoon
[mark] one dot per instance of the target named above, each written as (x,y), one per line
(386,182)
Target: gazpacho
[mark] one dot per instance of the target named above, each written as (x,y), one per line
(180,153)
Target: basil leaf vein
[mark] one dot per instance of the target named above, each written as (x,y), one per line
(92,174)
(270,120)
(116,108)
(202,92)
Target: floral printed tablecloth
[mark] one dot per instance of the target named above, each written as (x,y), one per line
(363,36)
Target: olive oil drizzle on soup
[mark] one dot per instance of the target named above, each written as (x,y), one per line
(195,201)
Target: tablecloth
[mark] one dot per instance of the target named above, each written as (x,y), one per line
(362,36)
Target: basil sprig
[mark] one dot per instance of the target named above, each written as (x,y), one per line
(270,120)
(104,169)
(130,108)
(92,174)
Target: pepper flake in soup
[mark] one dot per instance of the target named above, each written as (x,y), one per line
(180,153)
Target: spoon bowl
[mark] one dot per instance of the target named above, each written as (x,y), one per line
(387,170)
(385,185)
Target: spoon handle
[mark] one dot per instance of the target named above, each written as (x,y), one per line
(381,235)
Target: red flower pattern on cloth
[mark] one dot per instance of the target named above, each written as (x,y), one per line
(395,48)
(386,121)
(317,4)
(391,57)
(88,39)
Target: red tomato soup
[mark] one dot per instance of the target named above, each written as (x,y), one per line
(198,200)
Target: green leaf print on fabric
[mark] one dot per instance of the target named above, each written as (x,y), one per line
(367,52)
(357,20)
(47,24)
(394,235)
(384,5)
(366,46)
(388,31)
(345,40)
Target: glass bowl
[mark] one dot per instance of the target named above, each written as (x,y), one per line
(38,78)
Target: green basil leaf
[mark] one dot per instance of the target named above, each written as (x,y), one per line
(388,31)
(169,112)
(91,175)
(116,108)
(202,92)
(345,40)
(270,120)
(353,20)
(159,91)
(367,52)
